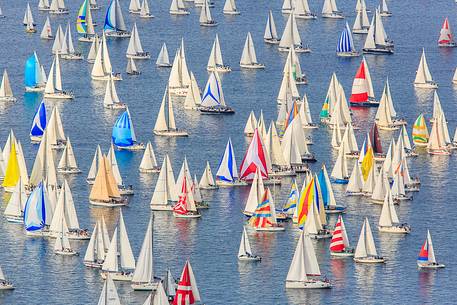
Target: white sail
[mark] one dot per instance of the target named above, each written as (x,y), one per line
(149,161)
(255,194)
(165,187)
(290,35)
(165,119)
(144,271)
(215,58)
(109,293)
(270,28)
(207,179)
(134,48)
(365,246)
(114,167)
(193,96)
(245,246)
(355,184)
(229,7)
(126,254)
(179,75)
(248,57)
(46,33)
(68,160)
(163,59)
(423,73)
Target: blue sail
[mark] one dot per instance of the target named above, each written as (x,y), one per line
(39,121)
(31,72)
(122,131)
(345,43)
(323,187)
(110,18)
(227,170)
(35,209)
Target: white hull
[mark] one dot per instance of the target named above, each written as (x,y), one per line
(428,85)
(342,254)
(333,16)
(115,34)
(72,56)
(385,14)
(148,170)
(15,219)
(362,31)
(190,215)
(370,260)
(145,286)
(231,12)
(4,285)
(310,284)
(115,106)
(210,187)
(86,39)
(69,170)
(297,49)
(115,76)
(93,264)
(34,89)
(134,147)
(139,56)
(221,69)
(164,65)
(59,12)
(222,183)
(38,233)
(252,66)
(249,258)
(90,181)
(68,252)
(162,207)
(271,41)
(59,96)
(430,265)
(179,13)
(118,276)
(111,204)
(8,99)
(395,229)
(209,24)
(270,229)
(305,16)
(171,133)
(147,16)
(348,54)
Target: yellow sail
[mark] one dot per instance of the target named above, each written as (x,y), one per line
(367,163)
(12,174)
(113,189)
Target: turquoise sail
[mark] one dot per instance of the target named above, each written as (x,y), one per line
(32,71)
(35,209)
(114,21)
(123,135)
(39,121)
(81,25)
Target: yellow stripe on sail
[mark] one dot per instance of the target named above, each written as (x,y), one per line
(12,174)
(367,163)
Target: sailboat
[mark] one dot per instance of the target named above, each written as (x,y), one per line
(148,162)
(84,23)
(248,57)
(245,252)
(383,10)
(339,245)
(109,293)
(339,173)
(264,217)
(94,5)
(361,23)
(46,33)
(164,190)
(119,253)
(326,190)
(159,297)
(205,15)
(362,94)
(4,283)
(144,10)
(446,38)
(345,46)
(92,55)
(62,245)
(123,189)
(186,208)
(385,116)
(423,78)
(98,157)
(114,21)
(111,99)
(230,8)
(330,10)
(177,7)
(436,143)
(35,77)
(165,124)
(53,89)
(58,7)
(43,5)
(58,40)
(388,221)
(426,258)
(67,163)
(105,191)
(302,11)
(193,98)
(271,35)
(291,38)
(215,62)
(6,94)
(365,252)
(135,49)
(56,135)
(251,125)
(179,80)
(99,241)
(163,61)
(420,132)
(123,134)
(67,50)
(377,41)
(227,171)
(143,276)
(255,194)
(102,69)
(207,180)
(28,20)
(15,208)
(304,271)
(134,6)
(131,68)
(187,288)
(355,184)
(38,212)
(213,101)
